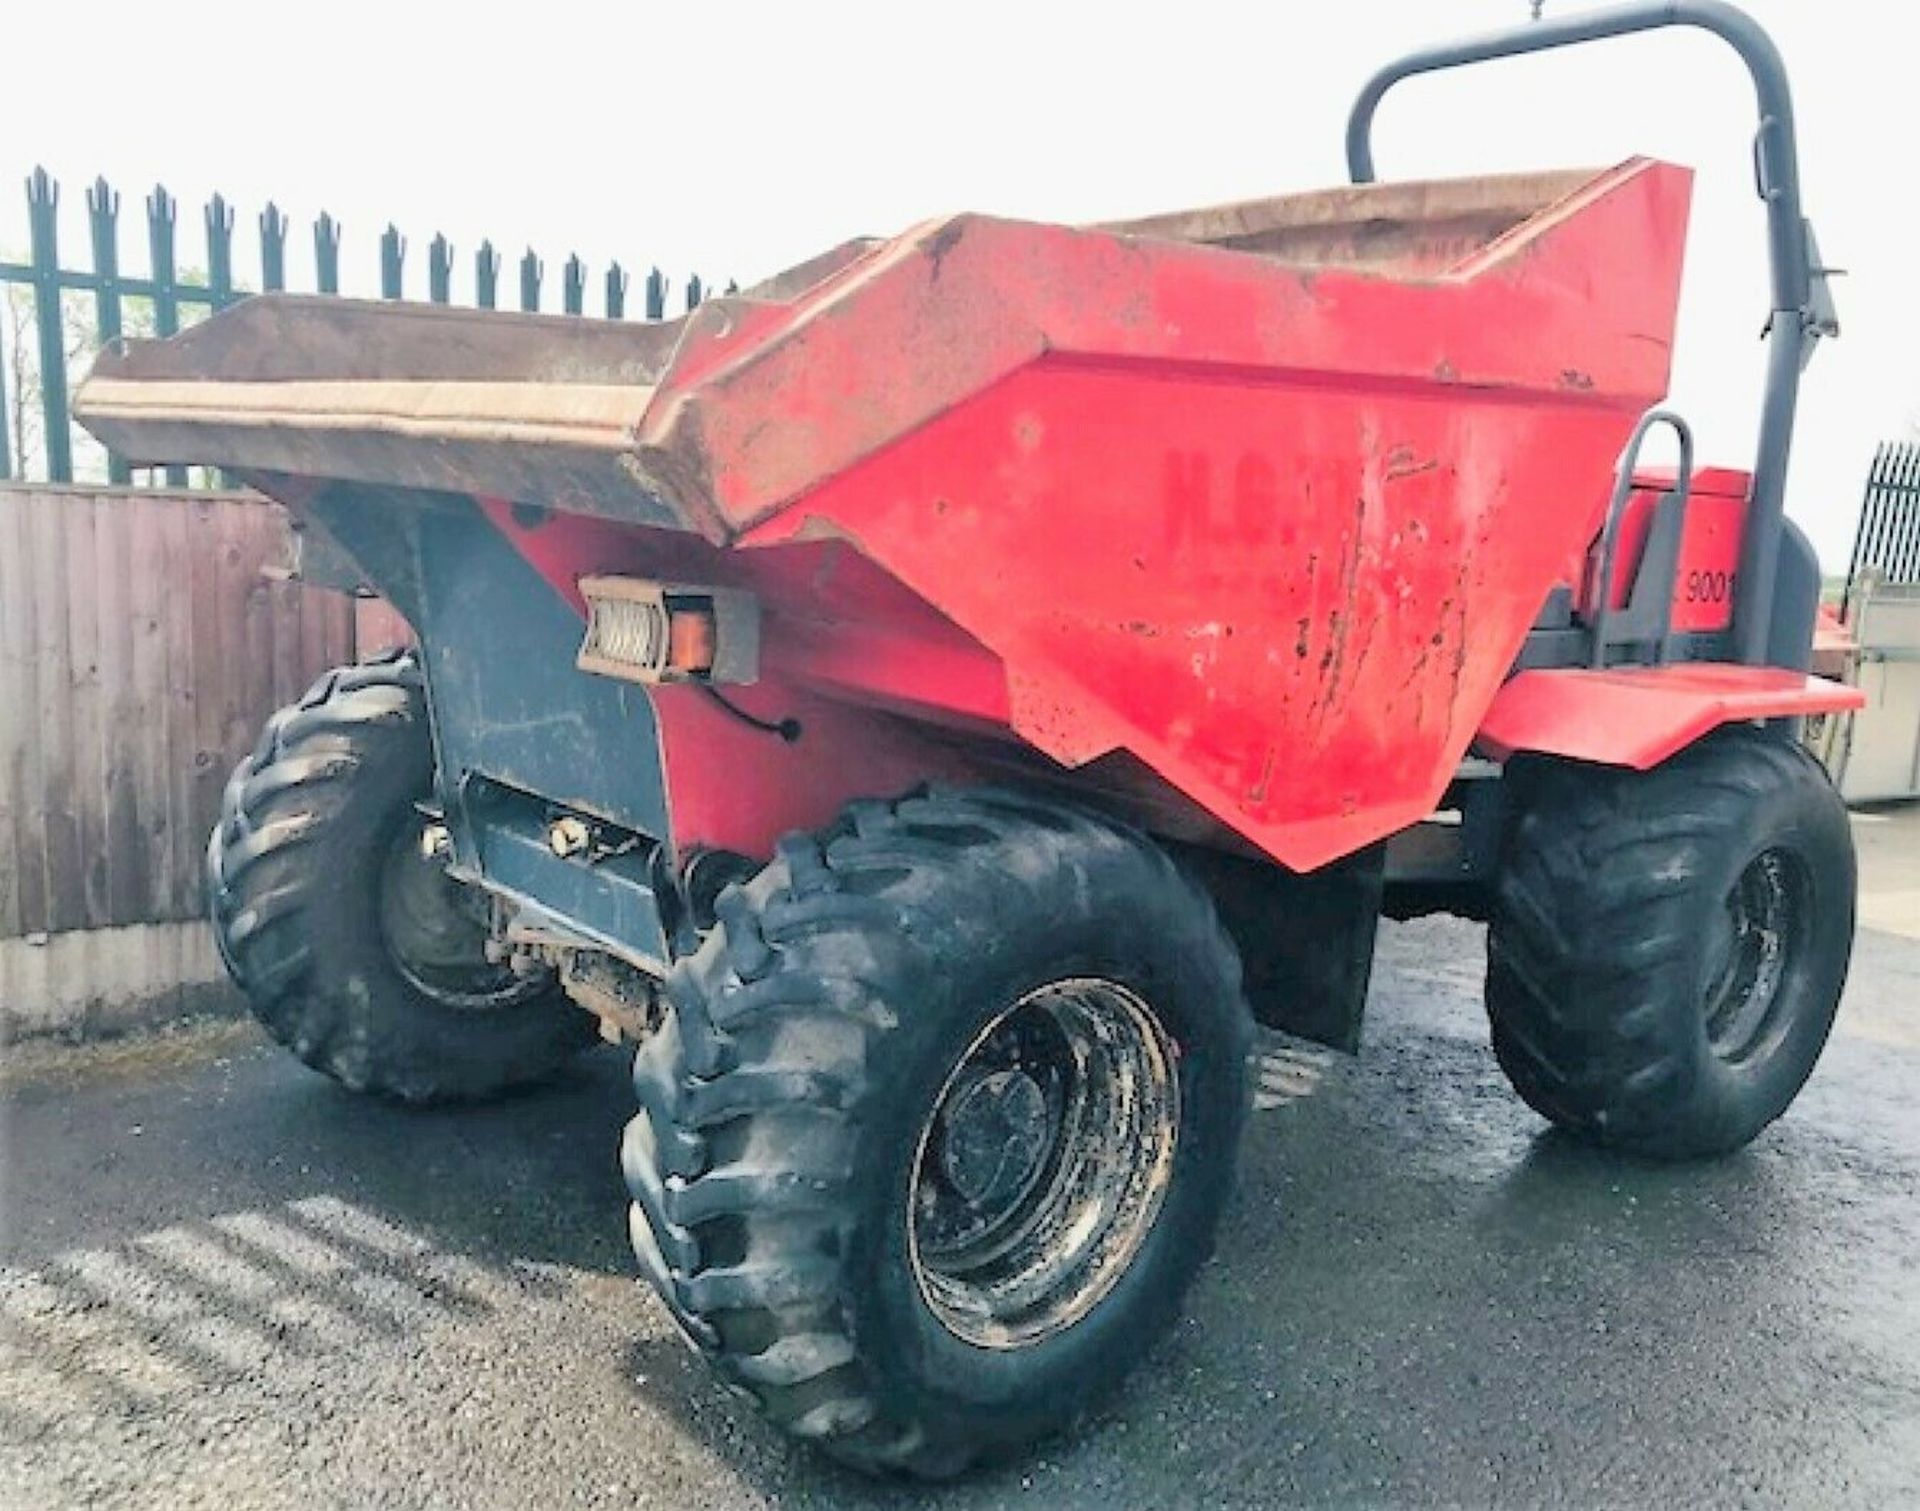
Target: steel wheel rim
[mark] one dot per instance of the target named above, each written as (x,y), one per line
(1044,1163)
(436,935)
(1766,919)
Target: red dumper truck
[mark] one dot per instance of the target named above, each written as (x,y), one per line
(936,702)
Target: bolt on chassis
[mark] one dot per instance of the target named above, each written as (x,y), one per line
(935,702)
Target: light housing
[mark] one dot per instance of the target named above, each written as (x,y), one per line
(657,632)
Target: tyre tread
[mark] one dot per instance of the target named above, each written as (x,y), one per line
(808,941)
(1596,917)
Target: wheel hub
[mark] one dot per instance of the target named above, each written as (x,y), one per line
(1042,1166)
(436,930)
(1758,939)
(994,1137)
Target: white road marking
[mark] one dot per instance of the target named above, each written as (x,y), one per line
(92,1354)
(459,1282)
(279,1314)
(181,1330)
(169,1312)
(378,1300)
(1283,1074)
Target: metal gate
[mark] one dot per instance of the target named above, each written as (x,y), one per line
(1875,753)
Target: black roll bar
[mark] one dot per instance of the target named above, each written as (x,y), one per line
(1802,310)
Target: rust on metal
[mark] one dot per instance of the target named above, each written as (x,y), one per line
(1409,228)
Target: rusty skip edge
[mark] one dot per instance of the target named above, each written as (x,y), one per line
(561,410)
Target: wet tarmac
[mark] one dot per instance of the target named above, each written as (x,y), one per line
(224,1282)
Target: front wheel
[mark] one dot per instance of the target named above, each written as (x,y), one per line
(1667,948)
(940,1124)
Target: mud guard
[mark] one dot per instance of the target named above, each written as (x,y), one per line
(1305,940)
(1638,716)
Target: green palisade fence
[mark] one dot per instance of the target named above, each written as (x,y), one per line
(164,294)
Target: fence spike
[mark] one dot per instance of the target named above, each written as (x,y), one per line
(393,257)
(326,253)
(162,212)
(219,220)
(103,216)
(103,198)
(160,223)
(440,269)
(43,233)
(486,276)
(273,248)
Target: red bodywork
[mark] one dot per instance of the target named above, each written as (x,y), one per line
(1709,546)
(1638,716)
(1241,516)
(1257,543)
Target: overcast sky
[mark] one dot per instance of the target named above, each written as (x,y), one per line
(734,139)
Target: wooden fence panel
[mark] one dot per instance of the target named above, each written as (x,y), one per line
(22,885)
(142,644)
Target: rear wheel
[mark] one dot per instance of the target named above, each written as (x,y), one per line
(1667,948)
(940,1124)
(353,946)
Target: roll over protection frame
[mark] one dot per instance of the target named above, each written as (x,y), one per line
(1803,309)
